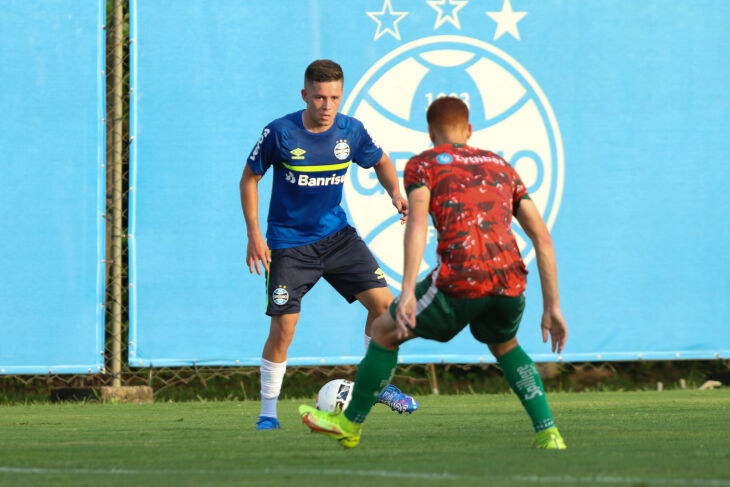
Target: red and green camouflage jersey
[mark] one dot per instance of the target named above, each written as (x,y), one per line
(473,196)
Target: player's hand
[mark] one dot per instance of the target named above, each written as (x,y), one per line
(257,251)
(405,314)
(553,323)
(401,204)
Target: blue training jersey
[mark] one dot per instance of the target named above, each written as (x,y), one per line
(309,171)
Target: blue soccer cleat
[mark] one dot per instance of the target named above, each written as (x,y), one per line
(397,401)
(267,423)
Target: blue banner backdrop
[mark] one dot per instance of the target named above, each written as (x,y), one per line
(52,182)
(614,113)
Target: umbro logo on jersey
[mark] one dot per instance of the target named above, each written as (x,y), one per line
(290,177)
(297,153)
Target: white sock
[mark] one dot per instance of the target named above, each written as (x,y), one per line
(367,342)
(272,375)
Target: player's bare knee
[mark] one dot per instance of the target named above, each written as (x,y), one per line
(384,332)
(280,340)
(376,300)
(378,309)
(285,338)
(388,341)
(499,349)
(282,329)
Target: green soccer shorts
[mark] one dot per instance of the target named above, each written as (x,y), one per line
(491,319)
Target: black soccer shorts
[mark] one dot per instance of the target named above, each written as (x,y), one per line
(342,259)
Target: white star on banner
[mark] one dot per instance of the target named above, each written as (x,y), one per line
(392,29)
(453,17)
(506,21)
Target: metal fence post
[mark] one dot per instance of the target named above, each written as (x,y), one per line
(117,81)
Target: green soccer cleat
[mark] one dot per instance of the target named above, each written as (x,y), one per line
(334,425)
(549,439)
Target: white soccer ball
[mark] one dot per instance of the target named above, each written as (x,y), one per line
(334,396)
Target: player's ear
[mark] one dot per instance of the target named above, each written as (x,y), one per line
(431,134)
(304,94)
(470,130)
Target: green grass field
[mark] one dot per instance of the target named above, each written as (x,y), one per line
(674,438)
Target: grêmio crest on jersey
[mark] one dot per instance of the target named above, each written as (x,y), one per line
(342,150)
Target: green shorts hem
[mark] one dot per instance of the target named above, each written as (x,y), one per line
(440,317)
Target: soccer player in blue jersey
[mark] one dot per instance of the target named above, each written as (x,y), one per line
(308,235)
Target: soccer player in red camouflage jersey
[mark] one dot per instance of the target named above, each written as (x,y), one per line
(471,195)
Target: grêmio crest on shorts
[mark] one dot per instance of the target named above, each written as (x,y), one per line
(474,194)
(309,170)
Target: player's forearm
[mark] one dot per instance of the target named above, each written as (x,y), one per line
(529,218)
(414,247)
(387,176)
(547,268)
(250,205)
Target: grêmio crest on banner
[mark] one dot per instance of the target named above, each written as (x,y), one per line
(510,113)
